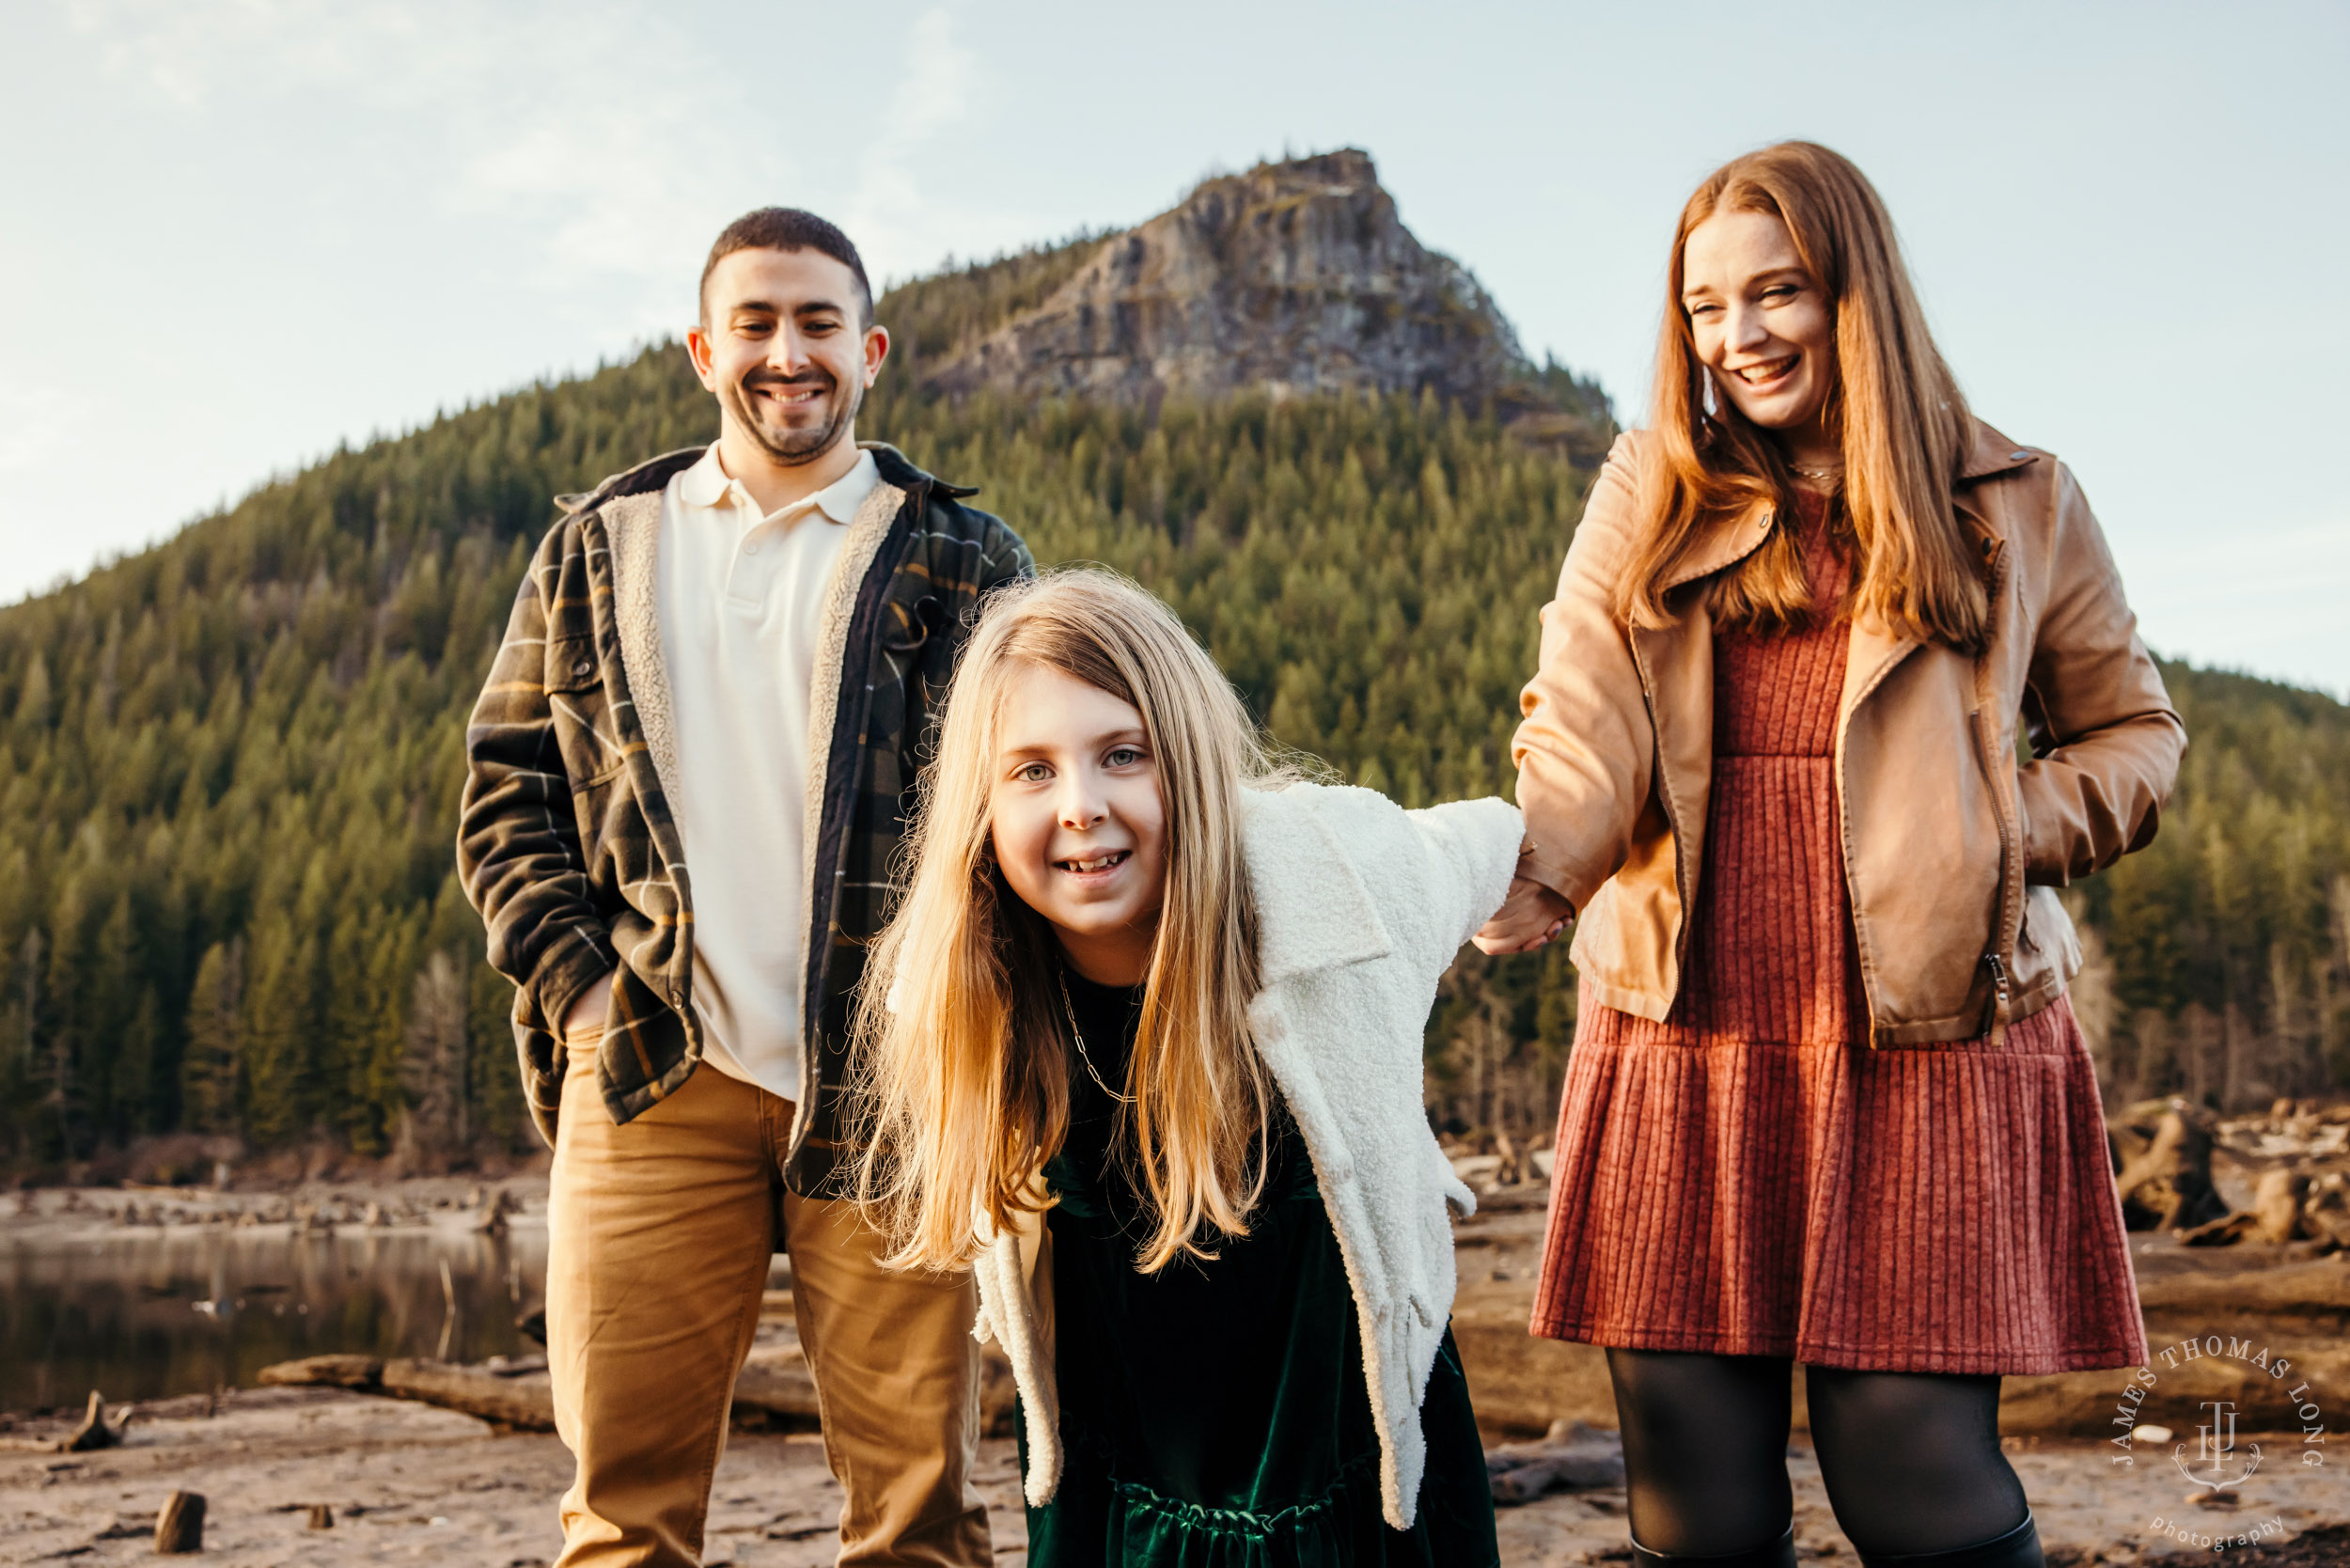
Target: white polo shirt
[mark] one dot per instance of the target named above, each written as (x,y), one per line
(740,595)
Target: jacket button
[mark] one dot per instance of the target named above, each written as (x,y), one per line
(2017,456)
(581,669)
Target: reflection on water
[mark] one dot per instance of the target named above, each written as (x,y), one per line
(149,1316)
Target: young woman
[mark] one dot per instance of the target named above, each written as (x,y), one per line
(1143,1047)
(1828,1103)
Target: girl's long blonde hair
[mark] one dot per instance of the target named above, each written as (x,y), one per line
(963,1041)
(1904,426)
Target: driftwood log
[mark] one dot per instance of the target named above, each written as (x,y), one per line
(180,1527)
(2326,1210)
(1570,1457)
(770,1389)
(95,1431)
(2274,1219)
(517,1406)
(2165,1180)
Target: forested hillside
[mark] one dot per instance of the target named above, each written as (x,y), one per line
(231,763)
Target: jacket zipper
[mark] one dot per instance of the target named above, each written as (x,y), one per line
(1996,958)
(1995,1025)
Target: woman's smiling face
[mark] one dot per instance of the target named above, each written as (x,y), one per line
(1078,820)
(1762,325)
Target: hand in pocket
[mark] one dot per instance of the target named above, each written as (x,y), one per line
(586,1019)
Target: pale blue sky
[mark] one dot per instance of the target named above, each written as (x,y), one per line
(238,232)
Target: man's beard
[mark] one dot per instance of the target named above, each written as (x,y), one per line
(793,447)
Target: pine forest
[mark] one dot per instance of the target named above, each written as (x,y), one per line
(231,762)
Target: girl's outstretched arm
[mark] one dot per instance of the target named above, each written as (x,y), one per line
(1473,847)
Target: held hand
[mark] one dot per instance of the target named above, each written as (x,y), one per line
(1529,916)
(589,1011)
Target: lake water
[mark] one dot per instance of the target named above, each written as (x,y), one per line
(122,1314)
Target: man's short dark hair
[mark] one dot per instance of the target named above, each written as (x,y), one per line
(788,229)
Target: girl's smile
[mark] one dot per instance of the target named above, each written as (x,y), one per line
(1078,822)
(1098,867)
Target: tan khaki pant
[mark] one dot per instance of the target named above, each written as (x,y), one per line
(659,1238)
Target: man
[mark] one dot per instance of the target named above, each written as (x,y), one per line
(687,776)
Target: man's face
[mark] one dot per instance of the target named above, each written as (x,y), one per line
(784,345)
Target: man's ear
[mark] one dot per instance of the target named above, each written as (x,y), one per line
(876,349)
(697,349)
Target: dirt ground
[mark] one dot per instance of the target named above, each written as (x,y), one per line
(409,1485)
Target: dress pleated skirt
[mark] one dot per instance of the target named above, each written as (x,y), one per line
(1749,1176)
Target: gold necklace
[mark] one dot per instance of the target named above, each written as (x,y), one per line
(1077,1038)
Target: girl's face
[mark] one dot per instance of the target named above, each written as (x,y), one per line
(1078,823)
(1762,325)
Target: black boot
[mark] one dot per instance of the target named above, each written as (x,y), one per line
(1778,1554)
(2018,1548)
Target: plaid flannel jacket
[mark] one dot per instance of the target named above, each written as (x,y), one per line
(565,844)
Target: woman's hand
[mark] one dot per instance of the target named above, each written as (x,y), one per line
(1529,916)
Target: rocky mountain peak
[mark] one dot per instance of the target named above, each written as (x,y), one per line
(1294,278)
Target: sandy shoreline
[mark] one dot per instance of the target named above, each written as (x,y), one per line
(409,1485)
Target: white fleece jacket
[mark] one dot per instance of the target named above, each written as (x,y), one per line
(1362,905)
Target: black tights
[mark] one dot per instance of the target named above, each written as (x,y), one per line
(1912,1460)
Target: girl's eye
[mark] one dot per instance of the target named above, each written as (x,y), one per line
(1124,755)
(1033,772)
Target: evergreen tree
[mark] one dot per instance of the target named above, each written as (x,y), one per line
(211,1088)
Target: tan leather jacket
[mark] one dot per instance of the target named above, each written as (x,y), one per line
(1952,851)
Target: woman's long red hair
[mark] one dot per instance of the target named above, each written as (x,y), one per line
(1904,425)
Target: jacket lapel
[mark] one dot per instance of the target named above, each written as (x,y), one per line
(867,530)
(1312,909)
(1876,649)
(1725,540)
(631,525)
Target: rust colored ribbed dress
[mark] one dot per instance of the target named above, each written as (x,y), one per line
(1751,1178)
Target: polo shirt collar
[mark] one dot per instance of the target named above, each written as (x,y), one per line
(707,485)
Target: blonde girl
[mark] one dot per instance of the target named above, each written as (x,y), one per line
(1142,1048)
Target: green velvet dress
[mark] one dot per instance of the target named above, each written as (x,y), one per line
(1216,1415)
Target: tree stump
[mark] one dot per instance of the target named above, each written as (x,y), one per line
(180,1527)
(322,1516)
(1512,1171)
